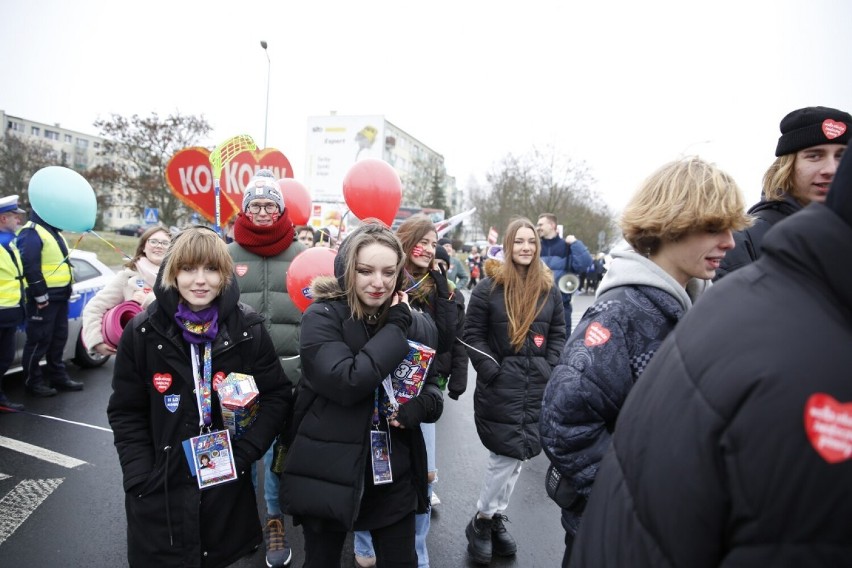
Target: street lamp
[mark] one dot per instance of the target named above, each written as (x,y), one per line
(263,44)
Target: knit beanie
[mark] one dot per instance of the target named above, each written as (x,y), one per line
(812,126)
(263,185)
(442,254)
(839,197)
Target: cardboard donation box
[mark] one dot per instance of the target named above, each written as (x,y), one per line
(238,396)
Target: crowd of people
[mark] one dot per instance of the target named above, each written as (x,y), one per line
(687,423)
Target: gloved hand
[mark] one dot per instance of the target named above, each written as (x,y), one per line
(400,316)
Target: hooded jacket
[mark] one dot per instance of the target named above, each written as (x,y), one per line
(509,383)
(748,242)
(733,450)
(170,522)
(344,362)
(638,304)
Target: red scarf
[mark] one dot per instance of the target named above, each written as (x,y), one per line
(264,241)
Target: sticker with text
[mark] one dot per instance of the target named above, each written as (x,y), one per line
(162,382)
(828,424)
(596,335)
(833,129)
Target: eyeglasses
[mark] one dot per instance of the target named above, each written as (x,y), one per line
(270,208)
(159,243)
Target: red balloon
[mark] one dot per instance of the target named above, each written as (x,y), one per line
(372,188)
(305,267)
(296,199)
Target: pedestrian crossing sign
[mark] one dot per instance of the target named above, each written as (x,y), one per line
(151,216)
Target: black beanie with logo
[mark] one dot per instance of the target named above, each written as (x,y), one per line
(812,126)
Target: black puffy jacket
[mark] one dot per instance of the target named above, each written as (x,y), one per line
(170,522)
(735,447)
(510,384)
(322,483)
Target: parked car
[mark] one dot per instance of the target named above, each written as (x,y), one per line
(90,275)
(131,230)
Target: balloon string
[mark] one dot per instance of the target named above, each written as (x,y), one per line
(67,257)
(115,248)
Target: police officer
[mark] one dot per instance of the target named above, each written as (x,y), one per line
(47,269)
(11,292)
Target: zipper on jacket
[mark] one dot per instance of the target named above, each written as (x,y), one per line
(166,491)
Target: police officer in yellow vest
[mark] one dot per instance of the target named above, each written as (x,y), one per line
(11,292)
(47,269)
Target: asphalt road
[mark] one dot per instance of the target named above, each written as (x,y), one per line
(66,508)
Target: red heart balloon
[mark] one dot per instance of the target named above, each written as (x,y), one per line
(297,200)
(305,267)
(190,178)
(372,188)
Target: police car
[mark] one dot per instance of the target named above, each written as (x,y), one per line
(90,275)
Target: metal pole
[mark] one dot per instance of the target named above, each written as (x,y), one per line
(263,44)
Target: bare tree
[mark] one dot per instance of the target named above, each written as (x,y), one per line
(19,160)
(543,182)
(140,148)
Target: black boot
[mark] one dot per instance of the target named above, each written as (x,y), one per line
(478,534)
(501,540)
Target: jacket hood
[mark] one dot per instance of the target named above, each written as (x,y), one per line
(786,206)
(327,287)
(629,268)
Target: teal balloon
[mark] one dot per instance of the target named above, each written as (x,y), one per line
(63,198)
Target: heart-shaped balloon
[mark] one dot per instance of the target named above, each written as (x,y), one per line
(297,200)
(190,178)
(372,188)
(305,267)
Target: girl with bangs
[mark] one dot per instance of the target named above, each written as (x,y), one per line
(168,360)
(515,331)
(679,225)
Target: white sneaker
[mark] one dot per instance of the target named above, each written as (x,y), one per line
(435,501)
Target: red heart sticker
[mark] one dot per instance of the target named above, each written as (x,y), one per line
(828,425)
(241,269)
(596,335)
(833,129)
(190,177)
(218,379)
(162,381)
(538,340)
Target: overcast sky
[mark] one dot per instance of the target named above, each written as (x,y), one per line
(624,86)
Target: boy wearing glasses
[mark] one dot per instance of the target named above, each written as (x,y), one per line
(263,248)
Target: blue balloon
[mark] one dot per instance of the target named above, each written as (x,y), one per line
(63,198)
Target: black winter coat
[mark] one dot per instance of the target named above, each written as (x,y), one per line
(510,384)
(170,522)
(748,242)
(454,363)
(734,447)
(324,472)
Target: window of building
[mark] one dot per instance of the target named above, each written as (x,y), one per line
(82,143)
(16,126)
(68,138)
(51,135)
(96,145)
(35,131)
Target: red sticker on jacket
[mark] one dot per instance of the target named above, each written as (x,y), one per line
(241,269)
(218,378)
(596,335)
(828,424)
(162,381)
(538,340)
(833,129)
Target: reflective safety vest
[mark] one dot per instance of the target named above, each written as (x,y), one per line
(11,278)
(55,268)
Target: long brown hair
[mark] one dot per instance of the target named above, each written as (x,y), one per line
(143,239)
(523,287)
(409,234)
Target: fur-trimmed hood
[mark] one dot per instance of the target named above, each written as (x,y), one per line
(326,288)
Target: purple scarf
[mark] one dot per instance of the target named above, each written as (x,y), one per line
(198,327)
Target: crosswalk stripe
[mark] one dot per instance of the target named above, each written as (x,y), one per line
(17,505)
(40,453)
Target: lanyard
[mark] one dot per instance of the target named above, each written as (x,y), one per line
(202,384)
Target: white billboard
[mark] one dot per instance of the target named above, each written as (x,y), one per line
(334,144)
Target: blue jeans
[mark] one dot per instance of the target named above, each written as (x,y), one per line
(270,483)
(363,542)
